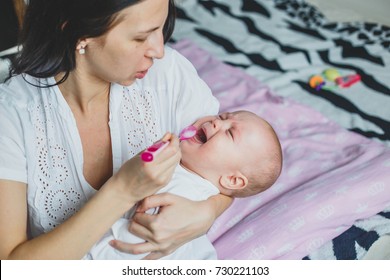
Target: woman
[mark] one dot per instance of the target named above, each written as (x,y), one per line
(92,87)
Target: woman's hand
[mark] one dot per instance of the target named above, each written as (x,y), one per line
(179,220)
(137,179)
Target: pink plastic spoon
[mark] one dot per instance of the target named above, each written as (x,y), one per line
(187,133)
(150,153)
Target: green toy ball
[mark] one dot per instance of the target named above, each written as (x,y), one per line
(331,74)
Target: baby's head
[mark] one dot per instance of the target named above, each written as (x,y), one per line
(238,152)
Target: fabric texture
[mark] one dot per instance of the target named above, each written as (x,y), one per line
(282,43)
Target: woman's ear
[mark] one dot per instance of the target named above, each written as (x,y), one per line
(234,181)
(81,46)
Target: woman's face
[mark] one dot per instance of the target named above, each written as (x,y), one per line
(126,51)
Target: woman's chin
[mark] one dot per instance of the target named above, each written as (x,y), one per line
(126,83)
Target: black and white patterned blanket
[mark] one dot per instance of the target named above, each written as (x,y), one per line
(283,43)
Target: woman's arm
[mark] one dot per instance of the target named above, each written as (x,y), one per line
(73,238)
(179,220)
(70,240)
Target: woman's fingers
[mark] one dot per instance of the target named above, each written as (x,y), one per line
(170,153)
(157,200)
(135,249)
(138,179)
(154,256)
(161,169)
(178,221)
(139,226)
(141,248)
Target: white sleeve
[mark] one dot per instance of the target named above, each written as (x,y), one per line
(13,163)
(187,97)
(195,98)
(103,251)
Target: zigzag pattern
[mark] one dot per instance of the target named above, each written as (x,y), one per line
(284,42)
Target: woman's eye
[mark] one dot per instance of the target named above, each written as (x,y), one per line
(140,40)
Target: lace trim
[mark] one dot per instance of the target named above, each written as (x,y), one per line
(57,195)
(56,198)
(138,113)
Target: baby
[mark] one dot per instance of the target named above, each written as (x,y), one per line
(237,154)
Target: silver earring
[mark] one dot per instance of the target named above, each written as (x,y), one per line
(82,50)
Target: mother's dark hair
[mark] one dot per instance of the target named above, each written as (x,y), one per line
(52,29)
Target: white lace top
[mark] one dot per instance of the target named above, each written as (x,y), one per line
(40,144)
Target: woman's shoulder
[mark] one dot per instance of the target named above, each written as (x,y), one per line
(172,66)
(172,60)
(18,91)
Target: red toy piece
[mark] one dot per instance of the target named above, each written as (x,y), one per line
(347,81)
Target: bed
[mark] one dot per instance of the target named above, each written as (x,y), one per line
(332,200)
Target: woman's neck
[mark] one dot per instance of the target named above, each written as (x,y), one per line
(83,93)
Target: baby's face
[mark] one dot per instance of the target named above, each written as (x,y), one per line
(225,143)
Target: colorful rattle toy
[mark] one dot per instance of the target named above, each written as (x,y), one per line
(332,75)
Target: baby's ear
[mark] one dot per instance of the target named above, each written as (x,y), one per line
(234,181)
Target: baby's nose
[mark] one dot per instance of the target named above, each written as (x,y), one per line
(211,127)
(216,123)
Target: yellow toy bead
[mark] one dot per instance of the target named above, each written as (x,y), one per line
(331,74)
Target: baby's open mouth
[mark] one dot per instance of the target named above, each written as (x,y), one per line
(201,136)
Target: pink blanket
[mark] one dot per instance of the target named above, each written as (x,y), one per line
(331,177)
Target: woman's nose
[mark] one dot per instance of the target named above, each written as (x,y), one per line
(156,45)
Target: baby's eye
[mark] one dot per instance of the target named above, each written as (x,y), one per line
(140,40)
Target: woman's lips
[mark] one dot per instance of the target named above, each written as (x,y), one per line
(141,74)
